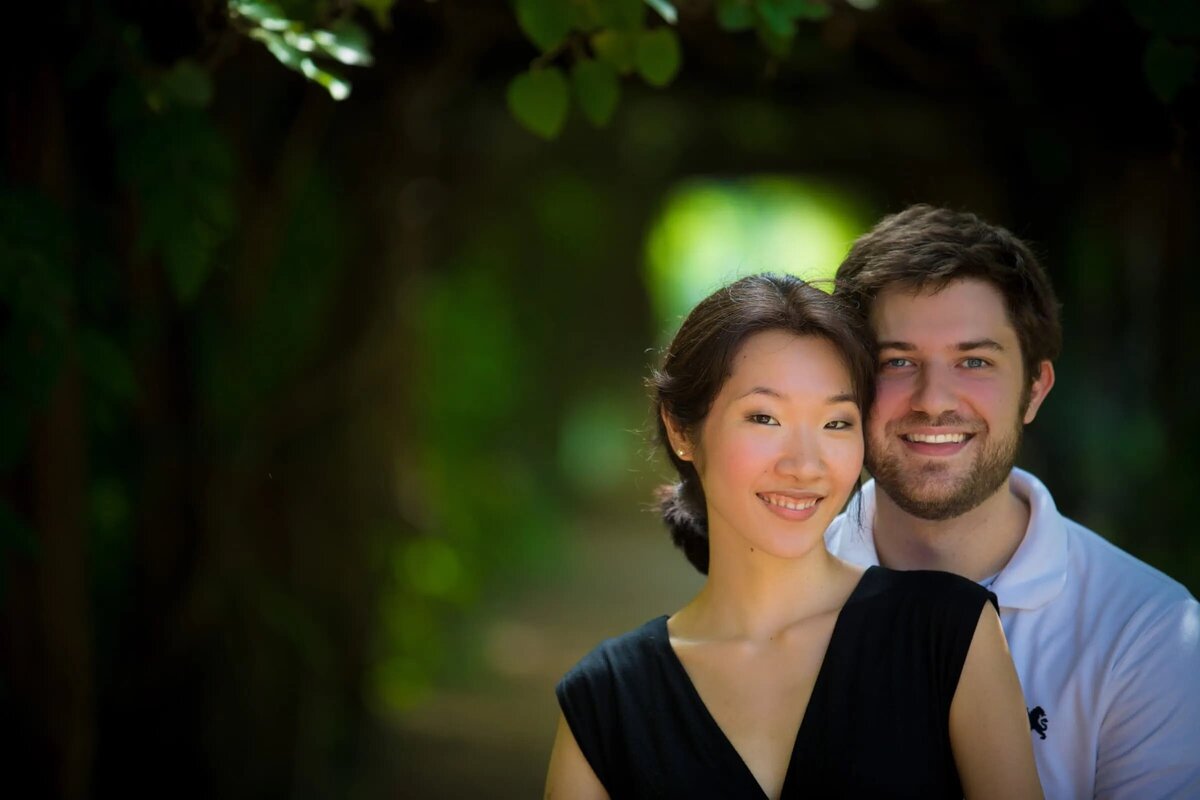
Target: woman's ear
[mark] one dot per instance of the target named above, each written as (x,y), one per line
(679,440)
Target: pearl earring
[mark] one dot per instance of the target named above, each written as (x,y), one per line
(680,453)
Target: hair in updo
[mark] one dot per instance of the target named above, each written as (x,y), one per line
(699,361)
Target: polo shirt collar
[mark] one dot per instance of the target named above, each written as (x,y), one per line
(1037,571)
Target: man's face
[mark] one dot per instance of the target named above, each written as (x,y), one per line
(946,425)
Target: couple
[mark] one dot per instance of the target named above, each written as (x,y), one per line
(803,667)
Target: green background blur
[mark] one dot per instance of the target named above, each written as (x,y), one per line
(322,428)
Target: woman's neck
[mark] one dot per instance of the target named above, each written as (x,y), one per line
(755,596)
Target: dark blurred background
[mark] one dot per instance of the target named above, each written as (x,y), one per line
(321,421)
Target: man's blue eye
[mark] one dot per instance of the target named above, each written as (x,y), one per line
(896,362)
(974,363)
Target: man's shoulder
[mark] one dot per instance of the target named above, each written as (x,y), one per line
(1096,560)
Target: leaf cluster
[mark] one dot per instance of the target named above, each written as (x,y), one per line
(599,41)
(302,41)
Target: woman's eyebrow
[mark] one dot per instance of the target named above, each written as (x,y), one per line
(767,390)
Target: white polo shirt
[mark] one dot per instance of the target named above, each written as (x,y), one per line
(1106,646)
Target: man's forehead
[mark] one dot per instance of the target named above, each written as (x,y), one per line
(962,310)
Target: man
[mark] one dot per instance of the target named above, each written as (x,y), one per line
(1107,648)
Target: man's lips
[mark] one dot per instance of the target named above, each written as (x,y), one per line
(936,443)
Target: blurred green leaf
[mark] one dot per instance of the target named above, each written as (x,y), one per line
(622,15)
(658,57)
(618,49)
(778,17)
(778,45)
(735,15)
(180,169)
(269,16)
(597,89)
(808,9)
(106,366)
(284,53)
(382,11)
(1169,68)
(545,22)
(665,10)
(432,567)
(187,84)
(346,41)
(338,89)
(539,100)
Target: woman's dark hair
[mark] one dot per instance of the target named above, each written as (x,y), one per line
(699,361)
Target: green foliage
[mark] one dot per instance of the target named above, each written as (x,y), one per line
(185,84)
(616,48)
(622,15)
(244,366)
(180,171)
(658,56)
(665,10)
(619,43)
(545,22)
(736,15)
(597,89)
(301,38)
(539,100)
(615,32)
(1169,68)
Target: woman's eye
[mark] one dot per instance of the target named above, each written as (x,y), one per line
(839,425)
(762,419)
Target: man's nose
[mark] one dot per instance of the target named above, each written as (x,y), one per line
(934,393)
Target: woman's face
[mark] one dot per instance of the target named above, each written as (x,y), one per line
(781,449)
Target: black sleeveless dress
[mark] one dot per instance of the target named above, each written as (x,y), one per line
(876,726)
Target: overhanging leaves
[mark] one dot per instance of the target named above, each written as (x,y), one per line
(539,100)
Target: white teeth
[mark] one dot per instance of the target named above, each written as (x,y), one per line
(789,502)
(938,438)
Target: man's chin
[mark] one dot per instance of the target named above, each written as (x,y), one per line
(933,509)
(935,496)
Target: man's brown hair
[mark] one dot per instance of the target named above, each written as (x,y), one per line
(924,248)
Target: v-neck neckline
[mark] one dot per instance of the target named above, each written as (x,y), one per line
(719,734)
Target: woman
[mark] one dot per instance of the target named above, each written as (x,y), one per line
(791,673)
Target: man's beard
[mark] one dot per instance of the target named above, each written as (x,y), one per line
(912,488)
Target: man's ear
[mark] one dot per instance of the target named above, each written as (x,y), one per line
(679,440)
(1043,382)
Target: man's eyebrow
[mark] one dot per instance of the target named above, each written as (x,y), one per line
(973,344)
(981,344)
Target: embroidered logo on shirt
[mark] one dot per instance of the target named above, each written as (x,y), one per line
(1037,721)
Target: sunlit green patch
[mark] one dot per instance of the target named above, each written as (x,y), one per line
(711,232)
